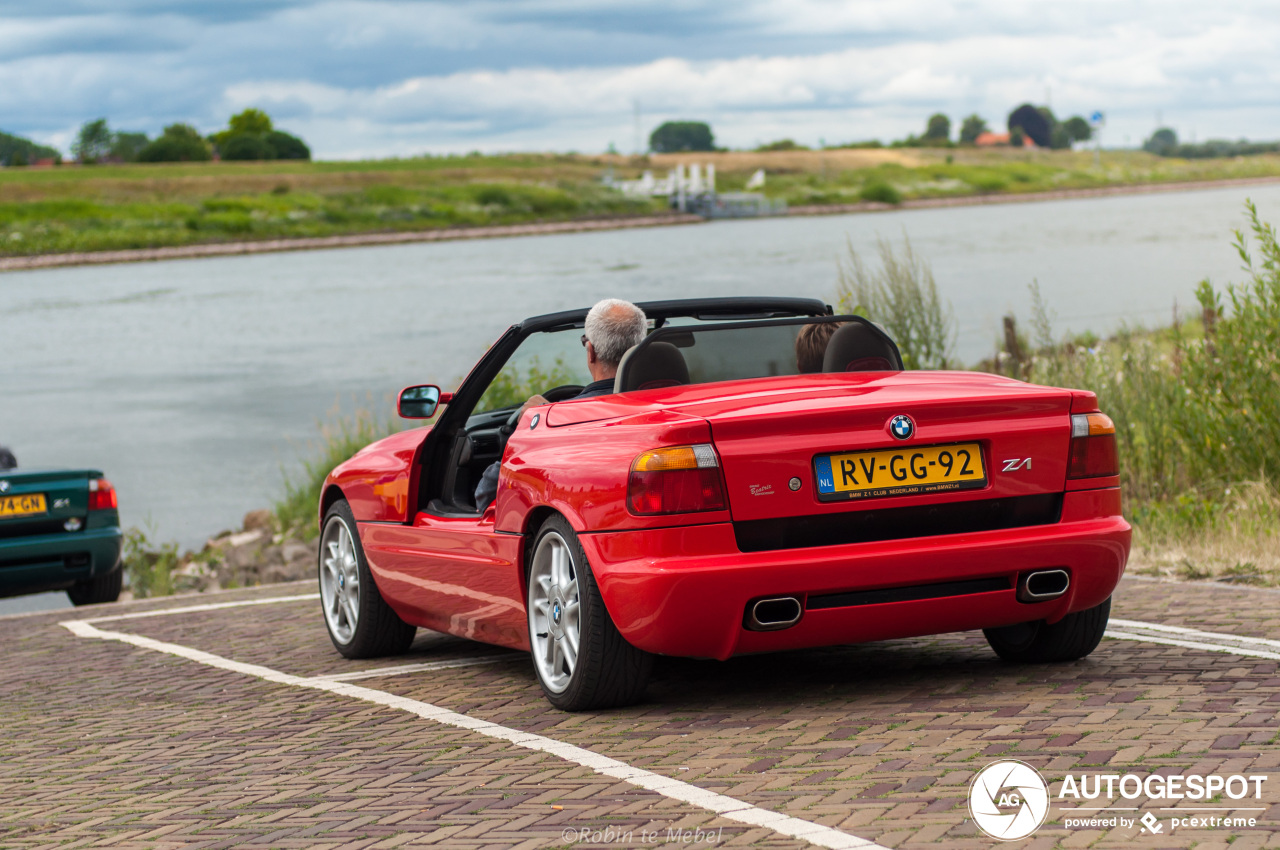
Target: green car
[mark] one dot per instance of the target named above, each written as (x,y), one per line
(59,530)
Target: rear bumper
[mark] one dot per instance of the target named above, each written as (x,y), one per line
(57,561)
(684,591)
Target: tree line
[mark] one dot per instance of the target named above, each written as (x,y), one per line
(1037,123)
(250,135)
(1164,142)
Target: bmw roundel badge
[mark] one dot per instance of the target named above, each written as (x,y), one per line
(902,427)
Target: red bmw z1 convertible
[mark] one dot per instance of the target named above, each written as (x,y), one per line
(720,502)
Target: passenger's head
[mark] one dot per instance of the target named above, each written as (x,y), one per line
(612,327)
(811,345)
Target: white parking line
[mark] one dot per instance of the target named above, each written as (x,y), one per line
(724,806)
(192,609)
(1196,633)
(1194,639)
(379,672)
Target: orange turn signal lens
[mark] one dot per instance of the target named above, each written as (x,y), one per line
(1091,425)
(676,457)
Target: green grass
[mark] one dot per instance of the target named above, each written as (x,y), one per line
(145,206)
(975,172)
(112,207)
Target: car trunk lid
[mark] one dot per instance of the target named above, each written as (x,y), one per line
(769,437)
(40,501)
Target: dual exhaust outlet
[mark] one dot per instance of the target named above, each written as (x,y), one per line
(781,612)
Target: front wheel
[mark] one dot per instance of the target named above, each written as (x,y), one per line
(581,659)
(360,623)
(1072,637)
(95,591)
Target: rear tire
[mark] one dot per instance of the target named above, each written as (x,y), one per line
(97,590)
(1074,636)
(581,659)
(360,623)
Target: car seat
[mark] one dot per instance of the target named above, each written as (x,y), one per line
(649,367)
(856,347)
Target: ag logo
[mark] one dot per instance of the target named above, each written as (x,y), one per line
(901,426)
(1008,800)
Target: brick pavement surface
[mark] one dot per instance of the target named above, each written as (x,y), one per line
(106,744)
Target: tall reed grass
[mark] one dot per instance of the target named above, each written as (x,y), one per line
(1197,412)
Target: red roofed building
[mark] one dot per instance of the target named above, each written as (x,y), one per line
(990,140)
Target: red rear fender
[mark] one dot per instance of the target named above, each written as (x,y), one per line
(581,470)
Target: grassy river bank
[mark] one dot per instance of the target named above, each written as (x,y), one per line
(74,209)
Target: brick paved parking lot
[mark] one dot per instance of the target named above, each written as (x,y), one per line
(240,725)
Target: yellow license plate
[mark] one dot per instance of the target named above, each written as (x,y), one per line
(899,471)
(16,506)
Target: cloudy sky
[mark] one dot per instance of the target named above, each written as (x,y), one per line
(357,78)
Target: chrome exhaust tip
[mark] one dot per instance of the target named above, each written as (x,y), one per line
(1042,585)
(774,613)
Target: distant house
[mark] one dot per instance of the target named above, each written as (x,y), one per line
(991,140)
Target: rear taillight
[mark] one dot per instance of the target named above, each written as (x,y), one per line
(675,480)
(102,496)
(1093,446)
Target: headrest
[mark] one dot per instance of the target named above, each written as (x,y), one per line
(648,367)
(856,347)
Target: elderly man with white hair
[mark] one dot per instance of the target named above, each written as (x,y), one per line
(612,328)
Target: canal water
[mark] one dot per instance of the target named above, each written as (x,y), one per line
(196,384)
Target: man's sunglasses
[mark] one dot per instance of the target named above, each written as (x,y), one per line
(584,340)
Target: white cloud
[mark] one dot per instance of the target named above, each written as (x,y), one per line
(392,77)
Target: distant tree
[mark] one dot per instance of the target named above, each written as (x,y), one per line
(251,135)
(1059,139)
(972,128)
(682,136)
(1163,142)
(286,146)
(93,142)
(178,143)
(126,146)
(1033,124)
(1078,129)
(246,146)
(938,129)
(1017,138)
(15,150)
(251,121)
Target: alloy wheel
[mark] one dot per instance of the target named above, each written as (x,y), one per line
(339,580)
(554,612)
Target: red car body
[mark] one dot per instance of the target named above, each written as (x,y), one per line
(681,584)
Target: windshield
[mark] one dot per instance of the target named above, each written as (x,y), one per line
(542,362)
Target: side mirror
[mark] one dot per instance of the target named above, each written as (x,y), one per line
(420,402)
